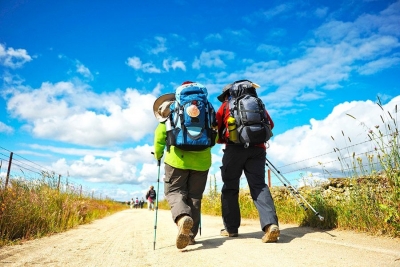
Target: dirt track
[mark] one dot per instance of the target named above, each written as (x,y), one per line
(126,239)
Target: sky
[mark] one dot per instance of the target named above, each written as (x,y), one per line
(79,79)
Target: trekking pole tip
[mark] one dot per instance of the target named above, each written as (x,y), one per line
(321,218)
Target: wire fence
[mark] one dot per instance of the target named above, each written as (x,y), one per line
(21,169)
(359,159)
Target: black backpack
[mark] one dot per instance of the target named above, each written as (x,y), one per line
(152,194)
(249,112)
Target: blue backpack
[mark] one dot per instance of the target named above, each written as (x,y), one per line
(191,119)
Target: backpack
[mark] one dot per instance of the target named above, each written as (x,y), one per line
(152,194)
(191,119)
(249,114)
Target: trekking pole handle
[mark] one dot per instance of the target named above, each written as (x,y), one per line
(158,161)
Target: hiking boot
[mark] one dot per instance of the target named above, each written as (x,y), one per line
(271,234)
(191,241)
(226,233)
(185,223)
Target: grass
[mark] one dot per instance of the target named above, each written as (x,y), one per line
(34,209)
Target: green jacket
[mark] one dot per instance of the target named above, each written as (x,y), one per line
(177,158)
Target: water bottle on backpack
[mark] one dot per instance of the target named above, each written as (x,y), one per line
(233,134)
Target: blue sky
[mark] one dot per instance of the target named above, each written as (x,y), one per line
(79,78)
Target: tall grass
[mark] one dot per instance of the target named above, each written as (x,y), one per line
(31,209)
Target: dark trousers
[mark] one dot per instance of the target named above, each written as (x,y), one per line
(251,160)
(184,191)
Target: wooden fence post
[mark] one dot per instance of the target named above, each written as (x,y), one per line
(269,178)
(58,184)
(9,169)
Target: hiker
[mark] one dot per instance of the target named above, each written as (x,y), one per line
(136,203)
(186,170)
(141,203)
(131,203)
(151,196)
(250,158)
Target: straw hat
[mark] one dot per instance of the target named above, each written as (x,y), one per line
(161,106)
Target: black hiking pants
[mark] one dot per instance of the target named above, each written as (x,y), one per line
(236,160)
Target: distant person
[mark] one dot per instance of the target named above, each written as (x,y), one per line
(242,157)
(151,196)
(136,203)
(186,163)
(141,203)
(132,202)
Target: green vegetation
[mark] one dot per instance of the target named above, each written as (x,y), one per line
(31,209)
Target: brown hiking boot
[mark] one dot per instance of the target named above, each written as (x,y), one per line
(185,223)
(191,241)
(226,233)
(271,234)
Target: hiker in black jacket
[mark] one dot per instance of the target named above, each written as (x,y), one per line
(151,196)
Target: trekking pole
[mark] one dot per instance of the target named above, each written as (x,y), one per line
(158,185)
(200,224)
(293,191)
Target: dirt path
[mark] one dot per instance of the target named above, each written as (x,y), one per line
(126,239)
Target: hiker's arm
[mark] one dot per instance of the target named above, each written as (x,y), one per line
(160,135)
(220,115)
(271,122)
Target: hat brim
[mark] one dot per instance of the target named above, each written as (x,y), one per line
(222,96)
(225,92)
(158,102)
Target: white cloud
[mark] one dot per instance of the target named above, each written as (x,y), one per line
(304,147)
(270,49)
(72,113)
(4,128)
(74,151)
(84,71)
(277,10)
(321,12)
(134,62)
(160,45)
(339,49)
(174,64)
(13,58)
(137,64)
(214,58)
(130,166)
(378,65)
(213,37)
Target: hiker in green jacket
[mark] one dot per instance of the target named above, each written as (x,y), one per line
(185,177)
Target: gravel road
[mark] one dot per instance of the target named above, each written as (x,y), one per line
(127,238)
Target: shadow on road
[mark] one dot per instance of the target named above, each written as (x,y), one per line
(287,235)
